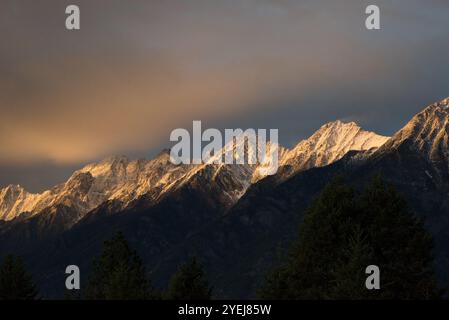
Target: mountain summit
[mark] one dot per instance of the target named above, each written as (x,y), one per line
(329,144)
(427,132)
(15,200)
(424,138)
(114,178)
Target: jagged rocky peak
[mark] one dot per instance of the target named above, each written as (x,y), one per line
(242,149)
(105,166)
(439,111)
(114,178)
(427,132)
(11,189)
(330,143)
(14,200)
(233,179)
(339,137)
(444,103)
(10,193)
(162,158)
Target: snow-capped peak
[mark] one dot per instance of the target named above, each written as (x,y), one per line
(427,132)
(15,200)
(105,166)
(444,103)
(234,179)
(114,178)
(245,150)
(329,144)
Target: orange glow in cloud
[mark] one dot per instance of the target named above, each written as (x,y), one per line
(133,73)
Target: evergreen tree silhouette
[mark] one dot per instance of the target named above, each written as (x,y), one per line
(401,247)
(189,283)
(350,277)
(15,282)
(119,274)
(342,234)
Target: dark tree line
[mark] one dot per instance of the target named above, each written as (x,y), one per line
(15,282)
(118,274)
(342,233)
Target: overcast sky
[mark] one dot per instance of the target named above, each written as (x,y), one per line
(139,69)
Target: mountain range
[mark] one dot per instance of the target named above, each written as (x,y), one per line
(122,180)
(234,219)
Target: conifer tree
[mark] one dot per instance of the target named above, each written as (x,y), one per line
(15,282)
(349,275)
(189,283)
(119,274)
(401,246)
(342,234)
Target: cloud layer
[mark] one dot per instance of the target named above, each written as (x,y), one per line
(136,70)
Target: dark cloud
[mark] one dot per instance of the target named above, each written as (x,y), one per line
(138,69)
